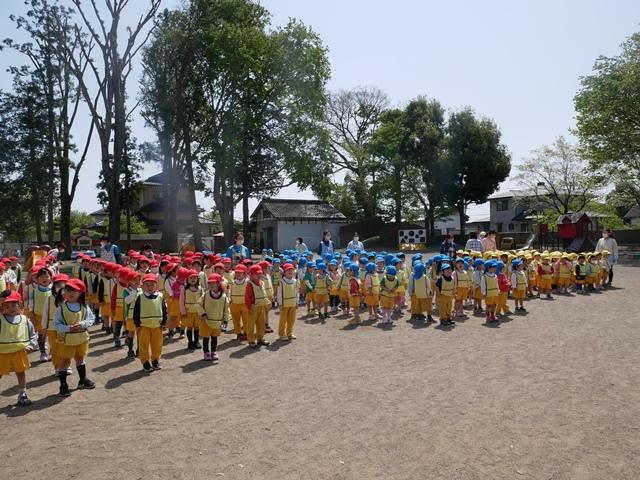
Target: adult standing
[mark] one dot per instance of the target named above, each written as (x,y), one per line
(473,244)
(489,242)
(448,245)
(355,244)
(326,244)
(109,251)
(607,242)
(301,247)
(238,252)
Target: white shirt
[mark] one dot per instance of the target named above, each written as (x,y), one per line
(355,245)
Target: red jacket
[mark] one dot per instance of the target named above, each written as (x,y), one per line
(504,282)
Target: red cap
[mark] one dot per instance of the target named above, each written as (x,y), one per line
(264,264)
(13,259)
(183,274)
(255,270)
(219,265)
(214,278)
(241,269)
(13,297)
(192,273)
(226,260)
(149,277)
(153,263)
(61,277)
(247,261)
(77,284)
(287,266)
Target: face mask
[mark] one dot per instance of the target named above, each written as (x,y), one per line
(239,242)
(297,242)
(355,239)
(605,235)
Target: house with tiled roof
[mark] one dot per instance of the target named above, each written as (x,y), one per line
(278,222)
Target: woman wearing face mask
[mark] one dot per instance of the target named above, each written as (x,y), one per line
(238,252)
(489,242)
(301,247)
(109,251)
(608,243)
(355,244)
(326,245)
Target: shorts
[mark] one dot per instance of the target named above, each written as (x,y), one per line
(308,297)
(173,307)
(321,298)
(387,302)
(519,294)
(37,323)
(477,293)
(207,331)
(493,300)
(371,299)
(192,320)
(461,293)
(344,296)
(105,310)
(93,299)
(72,351)
(563,282)
(130,326)
(118,315)
(14,362)
(354,301)
(544,283)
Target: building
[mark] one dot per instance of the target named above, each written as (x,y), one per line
(278,222)
(633,216)
(478,223)
(507,214)
(150,208)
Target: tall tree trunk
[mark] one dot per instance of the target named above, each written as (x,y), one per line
(193,206)
(245,211)
(50,202)
(397,173)
(462,215)
(223,198)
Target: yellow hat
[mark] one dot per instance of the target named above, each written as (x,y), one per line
(486,255)
(545,256)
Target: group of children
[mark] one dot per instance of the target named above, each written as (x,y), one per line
(151,299)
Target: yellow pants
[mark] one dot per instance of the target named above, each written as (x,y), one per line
(72,351)
(419,305)
(444,307)
(14,362)
(53,347)
(150,339)
(287,320)
(239,315)
(502,303)
(254,328)
(192,320)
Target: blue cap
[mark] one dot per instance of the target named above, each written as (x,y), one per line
(391,271)
(444,266)
(354,267)
(370,267)
(418,270)
(478,262)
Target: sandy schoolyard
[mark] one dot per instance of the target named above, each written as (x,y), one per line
(552,395)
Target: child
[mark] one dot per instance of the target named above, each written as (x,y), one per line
(269,291)
(403,278)
(239,312)
(563,268)
(150,315)
(605,267)
(545,275)
(255,299)
(17,339)
(478,273)
(287,299)
(504,285)
(420,293)
(444,294)
(354,293)
(593,271)
(309,285)
(372,290)
(321,290)
(172,297)
(462,284)
(334,293)
(214,309)
(117,304)
(105,286)
(72,322)
(343,287)
(532,274)
(37,302)
(519,284)
(388,291)
(189,301)
(580,271)
(53,302)
(490,290)
(133,279)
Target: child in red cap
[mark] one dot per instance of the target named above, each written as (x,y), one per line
(287,297)
(149,316)
(213,307)
(239,312)
(189,299)
(256,300)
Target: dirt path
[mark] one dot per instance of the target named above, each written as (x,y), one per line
(553,395)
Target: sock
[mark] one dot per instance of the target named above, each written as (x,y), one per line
(118,330)
(63,377)
(82,371)
(196,337)
(41,343)
(130,343)
(205,344)
(214,344)
(189,337)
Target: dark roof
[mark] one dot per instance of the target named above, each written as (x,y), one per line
(100,212)
(634,212)
(291,209)
(157,179)
(157,205)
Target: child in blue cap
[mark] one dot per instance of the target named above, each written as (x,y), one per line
(354,293)
(490,290)
(372,290)
(519,284)
(321,290)
(444,294)
(478,273)
(309,284)
(420,293)
(388,287)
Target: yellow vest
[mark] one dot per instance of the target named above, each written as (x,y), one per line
(13,338)
(289,294)
(120,295)
(492,286)
(161,280)
(39,299)
(268,286)
(532,270)
(75,271)
(3,283)
(237,291)
(375,284)
(420,287)
(446,287)
(106,290)
(260,295)
(215,308)
(150,310)
(51,306)
(402,276)
(128,314)
(388,287)
(464,279)
(546,270)
(322,285)
(595,268)
(343,283)
(73,318)
(521,281)
(564,271)
(191,299)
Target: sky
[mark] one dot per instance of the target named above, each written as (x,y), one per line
(518,63)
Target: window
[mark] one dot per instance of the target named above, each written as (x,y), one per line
(511,227)
(499,227)
(502,205)
(524,228)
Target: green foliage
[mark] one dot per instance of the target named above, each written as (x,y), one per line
(137,226)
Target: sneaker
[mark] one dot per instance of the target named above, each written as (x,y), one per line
(223,327)
(117,343)
(253,344)
(264,343)
(292,337)
(64,391)
(156,365)
(181,334)
(268,329)
(283,338)
(69,371)
(23,399)
(429,319)
(86,384)
(146,366)
(239,338)
(131,354)
(214,357)
(44,358)
(197,346)
(207,356)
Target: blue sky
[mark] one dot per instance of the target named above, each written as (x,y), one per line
(517,62)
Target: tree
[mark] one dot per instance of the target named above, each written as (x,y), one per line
(608,118)
(107,77)
(352,117)
(556,177)
(476,161)
(423,148)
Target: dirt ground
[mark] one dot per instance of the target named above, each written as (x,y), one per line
(554,395)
